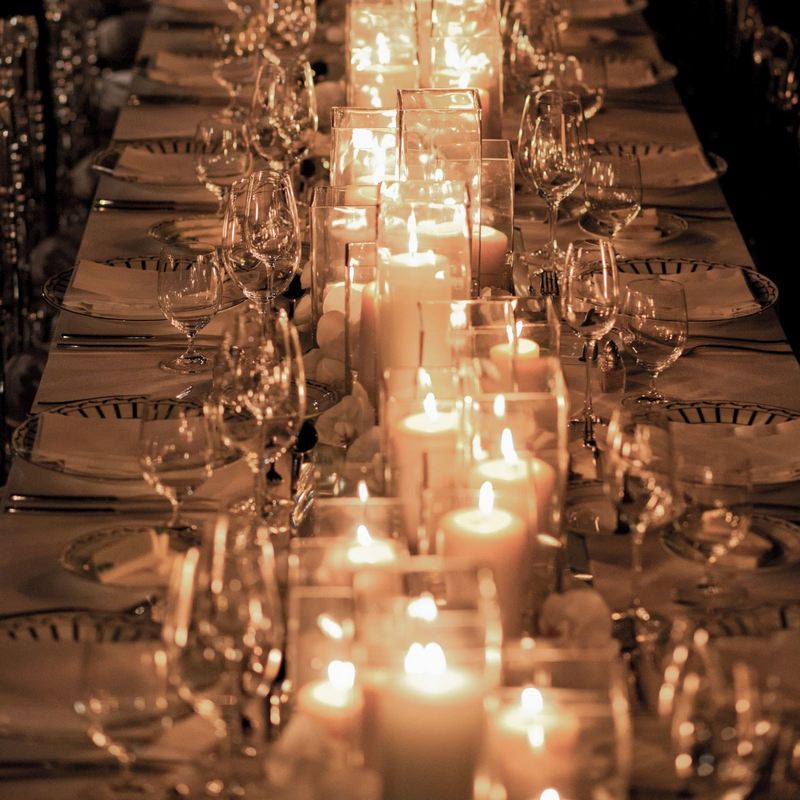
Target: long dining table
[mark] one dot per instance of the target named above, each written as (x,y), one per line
(32,577)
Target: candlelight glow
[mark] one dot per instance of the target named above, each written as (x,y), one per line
(510,333)
(424,608)
(429,405)
(519,326)
(363,491)
(532,700)
(478,453)
(486,499)
(507,448)
(413,241)
(467,64)
(342,675)
(330,627)
(458,316)
(426,659)
(549,794)
(536,736)
(424,378)
(499,405)
(384,53)
(363,536)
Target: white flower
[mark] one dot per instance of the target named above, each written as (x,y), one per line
(352,416)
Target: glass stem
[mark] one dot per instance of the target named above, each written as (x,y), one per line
(175,520)
(552,216)
(259,474)
(637,537)
(652,389)
(190,353)
(588,408)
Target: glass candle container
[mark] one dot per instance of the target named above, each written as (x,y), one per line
(497,215)
(363,145)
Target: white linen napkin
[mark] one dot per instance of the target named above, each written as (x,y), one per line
(173,169)
(629,73)
(710,294)
(183,70)
(675,167)
(203,230)
(113,291)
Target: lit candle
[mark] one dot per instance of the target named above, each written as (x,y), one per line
(367,364)
(495,537)
(334,703)
(430,728)
(374,79)
(333,298)
(493,255)
(532,744)
(519,363)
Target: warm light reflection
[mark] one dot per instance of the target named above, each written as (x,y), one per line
(342,675)
(363,491)
(486,499)
(507,448)
(429,406)
(363,536)
(532,700)
(428,659)
(330,627)
(424,608)
(549,794)
(499,405)
(413,241)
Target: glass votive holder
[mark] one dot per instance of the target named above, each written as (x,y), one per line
(423,251)
(497,215)
(537,321)
(363,145)
(341,516)
(361,318)
(379,68)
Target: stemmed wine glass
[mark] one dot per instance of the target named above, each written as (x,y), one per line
(189,295)
(638,466)
(222,153)
(590,304)
(272,229)
(176,453)
(234,71)
(612,187)
(291,24)
(655,327)
(283,115)
(551,153)
(716,486)
(127,703)
(224,636)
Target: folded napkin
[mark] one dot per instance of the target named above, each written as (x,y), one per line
(113,291)
(183,70)
(198,230)
(172,169)
(675,167)
(773,450)
(712,294)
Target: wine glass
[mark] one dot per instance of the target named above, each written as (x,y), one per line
(638,473)
(222,153)
(189,295)
(283,115)
(223,635)
(291,23)
(272,229)
(655,327)
(176,453)
(590,303)
(587,78)
(551,153)
(234,71)
(716,485)
(612,187)
(127,704)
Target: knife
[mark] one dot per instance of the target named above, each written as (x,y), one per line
(134,337)
(108,204)
(176,100)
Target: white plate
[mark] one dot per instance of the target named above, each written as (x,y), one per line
(106,162)
(668,227)
(196,232)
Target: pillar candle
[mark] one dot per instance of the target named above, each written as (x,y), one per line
(519,360)
(367,364)
(493,253)
(334,703)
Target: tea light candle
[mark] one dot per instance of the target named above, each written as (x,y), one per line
(334,703)
(495,537)
(492,257)
(519,363)
(431,721)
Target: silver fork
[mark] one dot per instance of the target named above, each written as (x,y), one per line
(548,286)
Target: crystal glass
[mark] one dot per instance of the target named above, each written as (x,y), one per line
(291,24)
(128,705)
(493,267)
(221,153)
(235,71)
(551,153)
(272,231)
(189,295)
(585,77)
(716,487)
(612,187)
(363,145)
(639,477)
(224,637)
(589,303)
(654,330)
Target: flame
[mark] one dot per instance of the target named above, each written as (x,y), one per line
(507,448)
(510,333)
(384,53)
(549,794)
(363,536)
(426,659)
(499,405)
(486,499)
(532,700)
(458,316)
(519,326)
(413,242)
(478,453)
(342,675)
(363,491)
(423,607)
(330,627)
(424,378)
(429,404)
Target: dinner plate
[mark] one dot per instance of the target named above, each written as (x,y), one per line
(625,72)
(717,166)
(777,541)
(77,625)
(106,161)
(162,144)
(587,11)
(764,292)
(667,227)
(727,412)
(588,510)
(198,231)
(56,287)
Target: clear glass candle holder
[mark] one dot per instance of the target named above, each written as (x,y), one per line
(363,145)
(378,69)
(497,215)
(361,318)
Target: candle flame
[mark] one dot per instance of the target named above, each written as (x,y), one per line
(424,608)
(342,675)
(486,499)
(330,627)
(426,659)
(363,491)
(363,536)
(429,404)
(510,334)
(549,794)
(507,448)
(478,453)
(536,736)
(519,326)
(413,242)
(424,378)
(532,700)
(499,405)
(458,316)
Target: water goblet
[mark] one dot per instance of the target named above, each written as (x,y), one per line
(654,329)
(612,187)
(222,153)
(590,303)
(189,295)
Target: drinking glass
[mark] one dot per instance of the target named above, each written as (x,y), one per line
(127,704)
(234,71)
(291,24)
(283,114)
(587,78)
(221,153)
(638,466)
(272,230)
(224,636)
(590,303)
(189,295)
(551,153)
(716,487)
(655,329)
(612,187)
(176,453)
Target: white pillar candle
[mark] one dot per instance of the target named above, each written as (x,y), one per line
(333,298)
(430,728)
(334,703)
(497,538)
(519,365)
(376,85)
(367,364)
(493,252)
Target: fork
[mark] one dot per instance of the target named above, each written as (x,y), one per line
(737,347)
(548,286)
